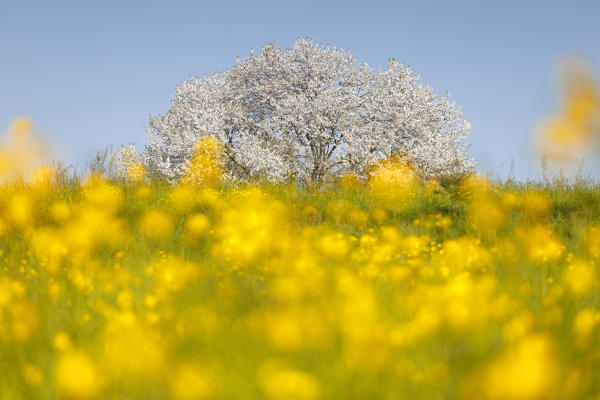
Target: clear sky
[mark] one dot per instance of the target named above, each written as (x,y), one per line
(90,73)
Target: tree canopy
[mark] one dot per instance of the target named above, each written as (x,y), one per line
(311,112)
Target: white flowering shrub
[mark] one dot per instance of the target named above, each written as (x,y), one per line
(130,164)
(311,112)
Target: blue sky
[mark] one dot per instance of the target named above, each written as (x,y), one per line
(90,73)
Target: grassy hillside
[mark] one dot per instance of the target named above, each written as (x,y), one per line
(392,289)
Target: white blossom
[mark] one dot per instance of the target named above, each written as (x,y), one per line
(312,112)
(127,158)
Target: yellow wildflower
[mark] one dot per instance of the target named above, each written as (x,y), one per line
(33,375)
(525,371)
(279,382)
(580,278)
(393,183)
(77,376)
(206,166)
(156,224)
(192,382)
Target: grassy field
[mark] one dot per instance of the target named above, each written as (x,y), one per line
(387,290)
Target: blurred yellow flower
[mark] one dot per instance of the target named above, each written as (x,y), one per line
(22,126)
(77,376)
(510,201)
(580,278)
(136,173)
(591,240)
(485,215)
(474,186)
(196,225)
(568,134)
(20,151)
(132,349)
(279,382)
(42,178)
(61,341)
(19,210)
(534,204)
(206,166)
(25,320)
(60,211)
(33,375)
(542,243)
(393,183)
(101,194)
(584,325)
(254,226)
(520,325)
(525,371)
(156,224)
(349,181)
(184,198)
(192,382)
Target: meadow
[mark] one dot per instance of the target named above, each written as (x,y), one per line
(130,288)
